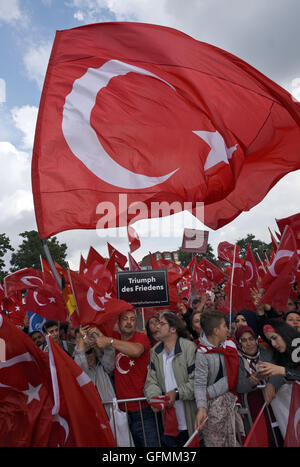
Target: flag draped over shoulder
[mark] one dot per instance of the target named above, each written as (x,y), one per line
(231,132)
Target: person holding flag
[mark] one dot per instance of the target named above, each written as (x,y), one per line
(216,377)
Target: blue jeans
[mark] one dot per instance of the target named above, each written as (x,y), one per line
(136,428)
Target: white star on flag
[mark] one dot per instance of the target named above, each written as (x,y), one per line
(32,392)
(219,152)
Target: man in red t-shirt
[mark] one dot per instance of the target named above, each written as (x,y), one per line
(132,357)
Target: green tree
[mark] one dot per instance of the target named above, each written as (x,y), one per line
(185,257)
(5,246)
(30,250)
(257,246)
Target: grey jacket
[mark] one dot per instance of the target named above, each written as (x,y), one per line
(207,368)
(244,386)
(183,366)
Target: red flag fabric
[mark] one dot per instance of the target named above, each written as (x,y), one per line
(171,422)
(292,435)
(118,257)
(193,441)
(286,250)
(174,271)
(159,402)
(77,402)
(25,391)
(15,308)
(93,256)
(229,350)
(279,290)
(211,271)
(94,309)
(47,302)
(133,239)
(226,252)
(133,265)
(23,279)
(294,223)
(251,272)
(101,110)
(2,292)
(274,240)
(61,271)
(170,418)
(258,435)
(82,264)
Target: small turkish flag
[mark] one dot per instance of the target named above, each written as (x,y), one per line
(292,436)
(133,239)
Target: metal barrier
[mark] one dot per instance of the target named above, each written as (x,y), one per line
(139,400)
(245,411)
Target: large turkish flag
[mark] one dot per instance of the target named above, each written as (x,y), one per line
(138,113)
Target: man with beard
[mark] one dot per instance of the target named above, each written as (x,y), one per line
(132,351)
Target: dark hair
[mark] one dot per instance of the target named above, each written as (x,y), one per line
(175,322)
(295,312)
(33,332)
(149,333)
(49,323)
(210,320)
(288,334)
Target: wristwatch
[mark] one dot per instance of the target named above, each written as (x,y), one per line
(111,341)
(177,394)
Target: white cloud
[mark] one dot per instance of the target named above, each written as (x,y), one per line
(295,88)
(25,120)
(2,91)
(10,11)
(15,187)
(36,61)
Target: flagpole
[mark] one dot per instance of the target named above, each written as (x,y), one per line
(231,285)
(51,263)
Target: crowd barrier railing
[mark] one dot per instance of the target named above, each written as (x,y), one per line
(126,401)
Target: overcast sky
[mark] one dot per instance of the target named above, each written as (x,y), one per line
(264,33)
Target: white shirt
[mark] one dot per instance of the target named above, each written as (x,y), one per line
(170,384)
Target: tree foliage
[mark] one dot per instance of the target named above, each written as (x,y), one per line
(185,257)
(257,246)
(5,246)
(30,250)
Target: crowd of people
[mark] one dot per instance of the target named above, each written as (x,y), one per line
(190,369)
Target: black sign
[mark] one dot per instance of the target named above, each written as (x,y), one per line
(143,288)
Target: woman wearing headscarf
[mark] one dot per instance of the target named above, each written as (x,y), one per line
(249,383)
